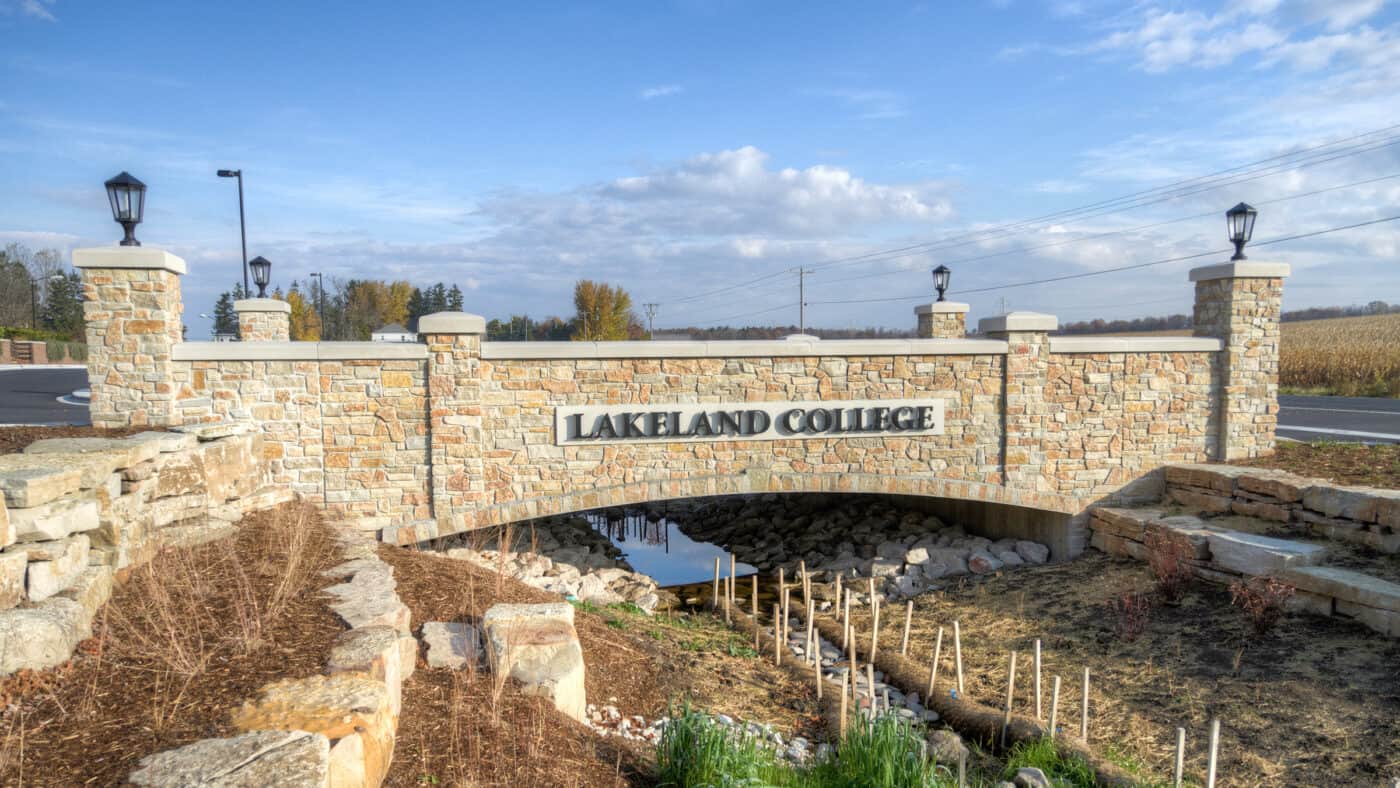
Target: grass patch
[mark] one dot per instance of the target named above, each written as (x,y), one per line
(696,751)
(1042,754)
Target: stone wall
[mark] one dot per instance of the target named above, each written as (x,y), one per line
(76,510)
(263,319)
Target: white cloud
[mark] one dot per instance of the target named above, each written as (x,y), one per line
(1057,186)
(870,104)
(35,9)
(659,91)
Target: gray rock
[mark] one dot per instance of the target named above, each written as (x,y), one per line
(981,563)
(1010,558)
(55,519)
(1250,554)
(12,569)
(41,636)
(65,560)
(288,759)
(451,644)
(890,550)
(885,567)
(946,746)
(1031,777)
(1033,552)
(916,555)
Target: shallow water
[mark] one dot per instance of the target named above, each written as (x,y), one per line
(659,549)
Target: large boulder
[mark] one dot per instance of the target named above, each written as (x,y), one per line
(289,759)
(538,646)
(41,636)
(375,651)
(1251,554)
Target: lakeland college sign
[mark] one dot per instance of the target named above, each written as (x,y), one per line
(747,421)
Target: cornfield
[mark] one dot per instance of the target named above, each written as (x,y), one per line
(1348,356)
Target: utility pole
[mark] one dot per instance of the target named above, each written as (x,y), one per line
(651,315)
(802,300)
(1003,305)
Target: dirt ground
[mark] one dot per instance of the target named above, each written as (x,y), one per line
(1346,463)
(14,439)
(1315,702)
(184,641)
(636,662)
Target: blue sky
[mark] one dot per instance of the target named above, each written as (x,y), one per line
(683,148)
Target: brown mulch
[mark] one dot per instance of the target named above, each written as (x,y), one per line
(130,692)
(1344,463)
(453,732)
(1315,702)
(14,439)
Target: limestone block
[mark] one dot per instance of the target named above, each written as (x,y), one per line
(1386,622)
(335,706)
(1262,510)
(1305,602)
(33,481)
(1186,529)
(374,651)
(56,519)
(1281,485)
(124,453)
(213,431)
(12,569)
(451,644)
(289,759)
(59,564)
(1199,501)
(1388,510)
(347,765)
(232,467)
(165,511)
(179,474)
(40,636)
(7,528)
(1250,554)
(1217,478)
(1128,523)
(90,589)
(371,609)
(538,646)
(408,655)
(1353,503)
(167,441)
(1346,585)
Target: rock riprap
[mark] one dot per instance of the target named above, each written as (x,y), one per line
(538,646)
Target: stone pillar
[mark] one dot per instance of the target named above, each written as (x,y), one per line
(1025,411)
(454,420)
(942,320)
(132,308)
(263,320)
(1241,303)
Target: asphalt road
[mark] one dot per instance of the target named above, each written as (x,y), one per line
(30,396)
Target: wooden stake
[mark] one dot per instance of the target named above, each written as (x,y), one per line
(1084,710)
(732,568)
(908,619)
(933,667)
(874,626)
(817,669)
(1054,704)
(962,769)
(754,605)
(777,634)
(837,610)
(714,597)
(1010,696)
(812,637)
(1214,750)
(787,614)
(1179,772)
(851,656)
(1037,679)
(870,688)
(846,623)
(841,726)
(957,656)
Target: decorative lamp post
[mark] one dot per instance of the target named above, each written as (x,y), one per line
(128,198)
(1241,222)
(941,275)
(262,274)
(321,300)
(242,227)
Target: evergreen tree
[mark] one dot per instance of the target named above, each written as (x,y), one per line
(454,299)
(437,298)
(415,309)
(63,306)
(225,319)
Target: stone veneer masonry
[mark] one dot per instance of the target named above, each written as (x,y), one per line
(422,440)
(263,320)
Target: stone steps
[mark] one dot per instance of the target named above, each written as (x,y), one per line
(1222,554)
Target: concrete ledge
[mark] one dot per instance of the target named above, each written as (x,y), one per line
(1135,345)
(1017,321)
(451,323)
(128,257)
(784,348)
(262,305)
(941,308)
(298,351)
(1240,269)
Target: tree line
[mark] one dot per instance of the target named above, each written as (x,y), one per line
(1180,322)
(346,309)
(39,293)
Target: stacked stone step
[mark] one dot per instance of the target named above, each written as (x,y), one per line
(76,510)
(1223,556)
(1362,515)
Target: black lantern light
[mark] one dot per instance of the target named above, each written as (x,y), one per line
(941,274)
(128,198)
(262,274)
(1241,222)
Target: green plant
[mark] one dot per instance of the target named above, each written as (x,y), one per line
(696,752)
(887,752)
(1060,768)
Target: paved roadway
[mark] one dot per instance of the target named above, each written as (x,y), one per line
(30,396)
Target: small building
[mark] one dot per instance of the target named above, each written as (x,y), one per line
(393,333)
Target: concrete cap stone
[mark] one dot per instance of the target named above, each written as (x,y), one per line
(1240,269)
(144,257)
(451,323)
(1018,321)
(261,305)
(941,308)
(802,338)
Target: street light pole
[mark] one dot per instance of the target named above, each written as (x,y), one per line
(242,226)
(34,303)
(321,300)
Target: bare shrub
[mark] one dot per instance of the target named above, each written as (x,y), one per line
(1131,611)
(1167,556)
(1262,599)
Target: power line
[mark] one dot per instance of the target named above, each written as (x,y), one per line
(745,314)
(1118,269)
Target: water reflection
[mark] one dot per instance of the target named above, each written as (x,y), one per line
(655,546)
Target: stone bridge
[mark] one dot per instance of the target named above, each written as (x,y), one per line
(1016,432)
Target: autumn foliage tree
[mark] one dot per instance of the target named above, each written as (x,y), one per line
(604,313)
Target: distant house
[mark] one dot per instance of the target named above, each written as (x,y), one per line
(393,333)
